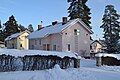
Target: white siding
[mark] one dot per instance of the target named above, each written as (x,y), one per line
(83,40)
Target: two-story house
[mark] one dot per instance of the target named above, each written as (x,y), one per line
(18,41)
(65,36)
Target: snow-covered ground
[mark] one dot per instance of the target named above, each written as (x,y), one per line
(87,71)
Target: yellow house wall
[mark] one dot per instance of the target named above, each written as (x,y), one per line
(22,40)
(18,41)
(96,47)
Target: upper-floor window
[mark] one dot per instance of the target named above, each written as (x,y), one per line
(76,31)
(86,34)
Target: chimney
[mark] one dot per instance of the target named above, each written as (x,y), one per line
(55,22)
(39,27)
(64,20)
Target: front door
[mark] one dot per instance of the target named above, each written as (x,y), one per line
(48,47)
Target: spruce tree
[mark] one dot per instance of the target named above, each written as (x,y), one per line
(79,9)
(1,32)
(11,27)
(30,28)
(111,27)
(0,28)
(22,28)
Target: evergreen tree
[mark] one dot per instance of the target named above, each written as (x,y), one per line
(119,45)
(78,9)
(1,32)
(111,27)
(22,28)
(0,28)
(30,28)
(11,27)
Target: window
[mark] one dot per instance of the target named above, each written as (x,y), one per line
(68,47)
(40,41)
(32,47)
(86,34)
(48,47)
(20,45)
(54,47)
(95,45)
(44,46)
(90,47)
(13,46)
(76,31)
(35,42)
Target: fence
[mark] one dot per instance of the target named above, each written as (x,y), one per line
(35,62)
(110,61)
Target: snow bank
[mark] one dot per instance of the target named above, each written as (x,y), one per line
(110,68)
(117,56)
(87,63)
(52,74)
(22,53)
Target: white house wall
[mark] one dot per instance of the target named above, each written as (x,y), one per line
(53,39)
(83,40)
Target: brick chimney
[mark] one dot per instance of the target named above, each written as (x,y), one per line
(55,22)
(64,20)
(39,27)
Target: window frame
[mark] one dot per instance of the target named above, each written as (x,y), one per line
(69,48)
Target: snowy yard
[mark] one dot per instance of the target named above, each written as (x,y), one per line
(87,71)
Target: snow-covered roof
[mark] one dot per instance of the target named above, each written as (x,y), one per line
(117,56)
(57,28)
(22,53)
(14,35)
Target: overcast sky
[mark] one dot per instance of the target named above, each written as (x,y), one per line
(34,11)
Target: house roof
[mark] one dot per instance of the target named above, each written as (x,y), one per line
(15,35)
(99,41)
(96,41)
(57,28)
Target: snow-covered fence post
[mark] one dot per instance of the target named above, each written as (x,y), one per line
(98,61)
(76,63)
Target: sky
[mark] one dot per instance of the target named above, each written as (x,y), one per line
(34,11)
